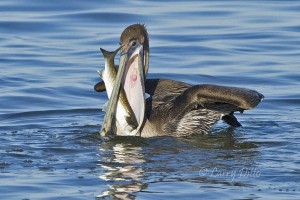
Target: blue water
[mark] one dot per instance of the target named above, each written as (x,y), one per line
(50,115)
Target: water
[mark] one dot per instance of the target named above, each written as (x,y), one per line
(50,115)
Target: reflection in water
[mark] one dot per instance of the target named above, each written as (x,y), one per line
(221,159)
(122,169)
(228,139)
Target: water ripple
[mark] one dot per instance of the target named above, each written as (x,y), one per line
(50,116)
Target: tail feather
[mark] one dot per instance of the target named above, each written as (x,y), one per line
(231,120)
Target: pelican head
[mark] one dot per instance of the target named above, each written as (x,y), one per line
(136,37)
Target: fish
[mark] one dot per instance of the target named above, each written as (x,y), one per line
(124,121)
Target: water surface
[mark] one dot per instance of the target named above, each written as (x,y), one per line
(50,115)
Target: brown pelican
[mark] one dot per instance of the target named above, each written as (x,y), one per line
(174,108)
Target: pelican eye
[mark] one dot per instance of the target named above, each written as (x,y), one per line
(133,43)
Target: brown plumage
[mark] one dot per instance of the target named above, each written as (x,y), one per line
(175,108)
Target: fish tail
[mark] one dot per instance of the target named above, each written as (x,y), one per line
(105,53)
